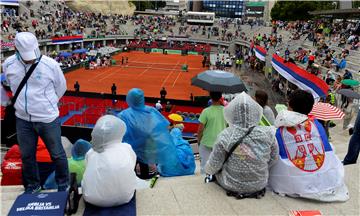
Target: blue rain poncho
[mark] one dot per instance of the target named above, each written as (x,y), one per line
(184,154)
(79,150)
(147,132)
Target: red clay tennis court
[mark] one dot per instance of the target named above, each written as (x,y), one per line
(148,71)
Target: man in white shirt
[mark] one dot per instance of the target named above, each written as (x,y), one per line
(36,109)
(158,106)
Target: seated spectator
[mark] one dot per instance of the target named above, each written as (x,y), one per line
(158,106)
(168,107)
(109,178)
(76,163)
(246,170)
(151,142)
(339,65)
(348,75)
(184,154)
(355,45)
(262,98)
(308,166)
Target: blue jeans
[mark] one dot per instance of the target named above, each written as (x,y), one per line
(354,144)
(50,133)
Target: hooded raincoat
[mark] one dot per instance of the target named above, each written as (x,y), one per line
(148,134)
(185,156)
(307,166)
(109,178)
(247,169)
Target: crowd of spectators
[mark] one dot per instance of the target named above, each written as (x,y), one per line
(259,160)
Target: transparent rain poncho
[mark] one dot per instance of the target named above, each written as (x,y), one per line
(147,132)
(246,170)
(185,156)
(108,130)
(109,178)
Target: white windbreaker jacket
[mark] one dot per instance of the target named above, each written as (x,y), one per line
(37,101)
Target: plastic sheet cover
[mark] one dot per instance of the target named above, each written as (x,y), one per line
(147,131)
(186,161)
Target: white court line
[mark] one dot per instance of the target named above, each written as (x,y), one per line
(176,78)
(152,63)
(144,71)
(108,75)
(102,73)
(112,73)
(170,74)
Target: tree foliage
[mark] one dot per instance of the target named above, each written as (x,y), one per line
(153,5)
(298,10)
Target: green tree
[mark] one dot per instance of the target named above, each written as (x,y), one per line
(298,10)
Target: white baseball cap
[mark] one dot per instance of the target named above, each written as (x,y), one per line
(27,45)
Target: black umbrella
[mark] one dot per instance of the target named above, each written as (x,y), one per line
(349,93)
(219,81)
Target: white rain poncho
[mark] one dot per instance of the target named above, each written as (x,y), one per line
(109,178)
(307,166)
(247,169)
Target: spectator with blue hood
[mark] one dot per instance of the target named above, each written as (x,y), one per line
(184,154)
(147,133)
(76,163)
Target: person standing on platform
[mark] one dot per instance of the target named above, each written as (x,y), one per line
(77,87)
(122,60)
(163,94)
(113,89)
(37,113)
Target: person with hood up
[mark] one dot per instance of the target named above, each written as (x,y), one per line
(246,170)
(308,166)
(148,135)
(184,154)
(109,178)
(76,163)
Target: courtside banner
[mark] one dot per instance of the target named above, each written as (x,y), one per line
(300,77)
(260,53)
(39,204)
(67,39)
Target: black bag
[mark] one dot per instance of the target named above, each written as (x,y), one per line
(74,196)
(10,118)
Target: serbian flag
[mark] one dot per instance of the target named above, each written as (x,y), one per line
(7,45)
(67,39)
(300,77)
(260,53)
